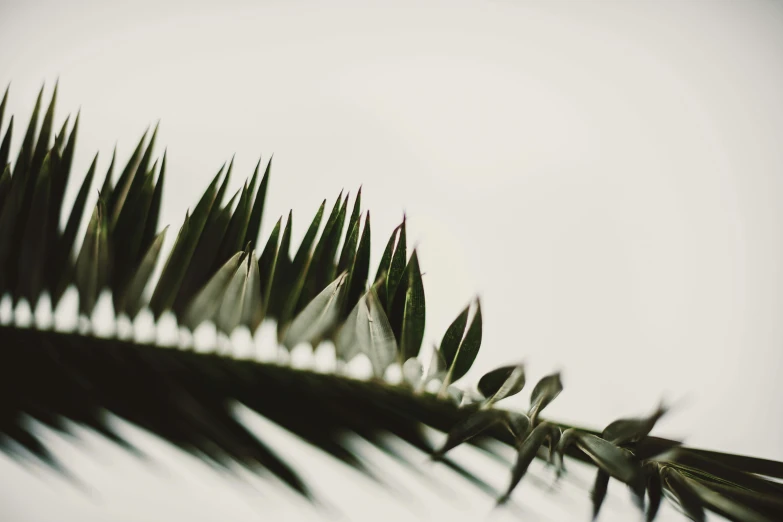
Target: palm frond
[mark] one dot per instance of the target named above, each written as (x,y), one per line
(320,292)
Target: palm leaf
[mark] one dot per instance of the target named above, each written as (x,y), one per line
(213,273)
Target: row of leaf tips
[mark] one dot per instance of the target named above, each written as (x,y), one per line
(213,272)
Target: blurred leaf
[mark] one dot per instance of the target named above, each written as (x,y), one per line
(207,302)
(502,382)
(121,188)
(619,463)
(412,372)
(598,493)
(527,449)
(367,330)
(437,368)
(234,238)
(59,138)
(32,255)
(59,269)
(624,431)
(151,221)
(241,303)
(3,104)
(205,255)
(474,423)
(182,252)
(131,300)
(684,493)
(319,317)
(5,185)
(107,188)
(92,263)
(722,504)
(60,176)
(25,155)
(654,491)
(42,145)
(5,145)
(547,389)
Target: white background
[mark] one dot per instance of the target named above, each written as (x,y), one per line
(607,176)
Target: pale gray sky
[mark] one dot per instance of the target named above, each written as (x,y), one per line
(605,175)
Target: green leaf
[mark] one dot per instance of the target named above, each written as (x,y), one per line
(254,225)
(415,309)
(319,317)
(32,255)
(59,138)
(241,303)
(129,231)
(120,192)
(332,243)
(722,504)
(131,302)
(397,267)
(547,389)
(383,267)
(684,493)
(299,269)
(60,177)
(624,431)
(619,463)
(59,269)
(349,246)
(360,267)
(207,302)
(205,255)
(473,424)
(449,345)
(351,241)
(151,222)
(266,262)
(179,260)
(527,449)
(367,330)
(3,104)
(25,155)
(5,145)
(502,382)
(42,145)
(5,185)
(281,273)
(234,238)
(107,188)
(460,360)
(321,261)
(654,491)
(92,263)
(598,493)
